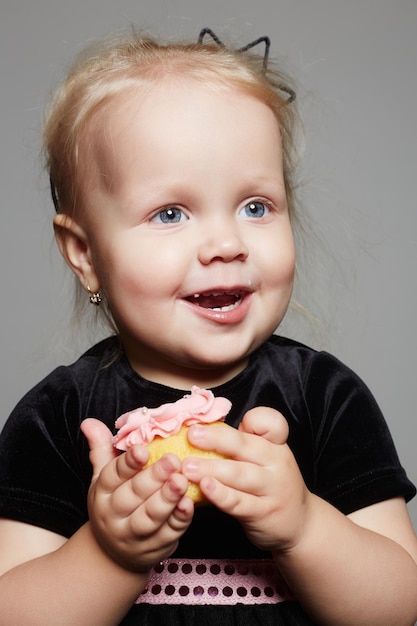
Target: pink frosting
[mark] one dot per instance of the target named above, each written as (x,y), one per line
(143,424)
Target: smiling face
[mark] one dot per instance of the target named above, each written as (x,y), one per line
(187,229)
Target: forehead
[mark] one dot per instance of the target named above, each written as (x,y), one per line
(175,100)
(166,122)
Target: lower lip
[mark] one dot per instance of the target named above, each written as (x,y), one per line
(234,316)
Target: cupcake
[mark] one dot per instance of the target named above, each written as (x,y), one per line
(164,429)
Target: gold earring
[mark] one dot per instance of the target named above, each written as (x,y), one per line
(95,297)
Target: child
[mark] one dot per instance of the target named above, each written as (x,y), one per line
(172,175)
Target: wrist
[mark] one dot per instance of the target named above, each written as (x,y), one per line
(113,567)
(310,529)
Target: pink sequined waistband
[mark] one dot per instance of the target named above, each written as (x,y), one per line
(199,581)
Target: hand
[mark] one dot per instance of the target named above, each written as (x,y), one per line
(259,483)
(137,515)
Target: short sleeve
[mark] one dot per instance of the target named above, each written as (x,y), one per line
(356,460)
(41,452)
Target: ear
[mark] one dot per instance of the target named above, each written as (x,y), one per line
(75,248)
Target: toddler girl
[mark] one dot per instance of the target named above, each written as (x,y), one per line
(172,175)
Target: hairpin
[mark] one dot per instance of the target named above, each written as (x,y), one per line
(53,194)
(265,39)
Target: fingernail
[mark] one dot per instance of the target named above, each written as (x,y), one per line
(197,433)
(190,466)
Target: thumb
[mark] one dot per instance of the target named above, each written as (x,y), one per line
(100,441)
(266,422)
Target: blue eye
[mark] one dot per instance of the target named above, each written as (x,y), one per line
(170,215)
(254,209)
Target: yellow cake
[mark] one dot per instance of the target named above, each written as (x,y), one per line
(178,444)
(164,429)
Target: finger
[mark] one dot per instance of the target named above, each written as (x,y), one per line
(161,539)
(132,490)
(173,490)
(218,437)
(237,444)
(267,423)
(181,516)
(100,441)
(240,476)
(129,463)
(158,509)
(234,502)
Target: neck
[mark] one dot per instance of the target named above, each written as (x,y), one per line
(181,377)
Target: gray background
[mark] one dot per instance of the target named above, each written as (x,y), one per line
(355,64)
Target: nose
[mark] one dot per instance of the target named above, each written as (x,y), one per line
(222,242)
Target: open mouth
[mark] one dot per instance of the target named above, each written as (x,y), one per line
(217,300)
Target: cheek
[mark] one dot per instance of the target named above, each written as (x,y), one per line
(279,263)
(138,273)
(288,267)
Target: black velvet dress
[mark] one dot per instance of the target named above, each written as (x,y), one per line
(337,434)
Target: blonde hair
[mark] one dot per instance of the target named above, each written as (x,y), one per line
(110,68)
